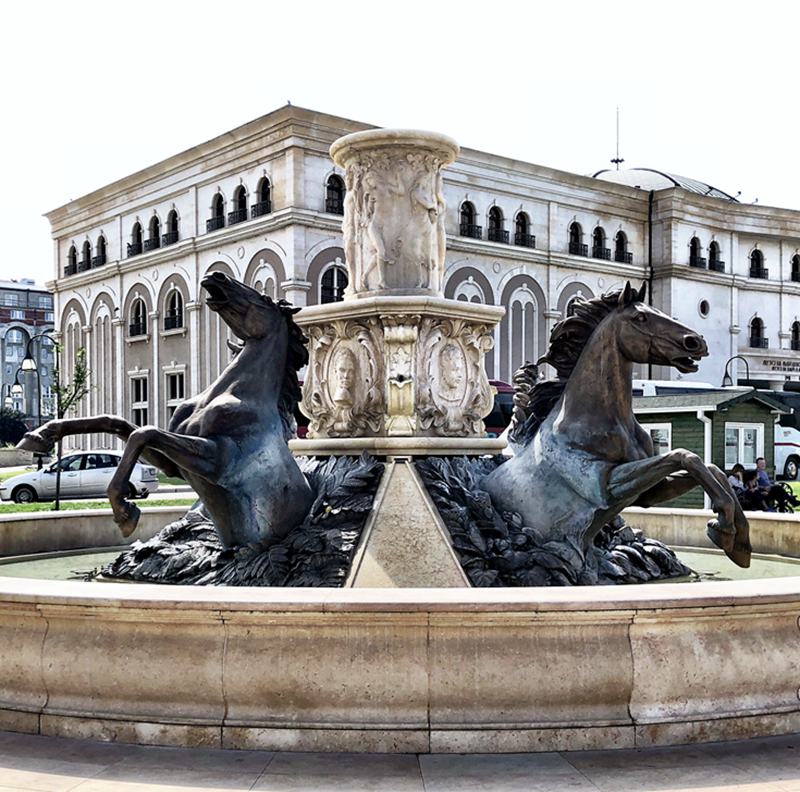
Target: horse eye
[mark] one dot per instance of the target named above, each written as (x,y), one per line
(641,317)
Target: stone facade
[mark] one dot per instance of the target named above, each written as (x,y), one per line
(264,203)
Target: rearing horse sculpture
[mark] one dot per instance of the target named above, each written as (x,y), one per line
(583,456)
(230,441)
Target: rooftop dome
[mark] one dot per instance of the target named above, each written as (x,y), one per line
(651,179)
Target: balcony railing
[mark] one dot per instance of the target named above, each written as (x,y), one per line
(759,272)
(715,265)
(215,223)
(334,206)
(84,264)
(577,249)
(237,216)
(98,261)
(137,329)
(70,269)
(134,248)
(497,235)
(796,276)
(757,342)
(623,257)
(795,344)
(152,244)
(170,238)
(601,253)
(524,240)
(172,321)
(261,208)
(697,261)
(471,230)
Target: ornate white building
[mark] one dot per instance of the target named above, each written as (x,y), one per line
(263,203)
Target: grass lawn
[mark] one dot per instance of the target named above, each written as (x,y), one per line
(795,485)
(11,508)
(171,480)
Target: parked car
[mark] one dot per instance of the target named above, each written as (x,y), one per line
(85,474)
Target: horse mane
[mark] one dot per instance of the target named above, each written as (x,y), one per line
(534,399)
(296,358)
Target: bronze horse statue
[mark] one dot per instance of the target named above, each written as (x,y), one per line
(582,457)
(230,441)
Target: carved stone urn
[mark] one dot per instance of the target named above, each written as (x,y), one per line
(395,367)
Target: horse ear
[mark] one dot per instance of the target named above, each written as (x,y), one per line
(626,294)
(642,292)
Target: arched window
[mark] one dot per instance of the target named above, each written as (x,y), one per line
(599,249)
(264,204)
(153,241)
(796,336)
(171,235)
(757,268)
(100,252)
(621,253)
(86,257)
(138,323)
(520,346)
(217,213)
(72,261)
(796,268)
(469,291)
(135,245)
(467,217)
(757,338)
(715,263)
(576,246)
(239,213)
(522,231)
(173,313)
(334,195)
(496,232)
(695,249)
(333,284)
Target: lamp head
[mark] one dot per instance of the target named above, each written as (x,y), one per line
(28,364)
(16,389)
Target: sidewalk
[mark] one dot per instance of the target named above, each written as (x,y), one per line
(53,764)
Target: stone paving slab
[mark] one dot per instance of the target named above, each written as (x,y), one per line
(31,763)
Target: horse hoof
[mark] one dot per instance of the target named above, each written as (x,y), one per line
(33,441)
(740,554)
(721,538)
(129,519)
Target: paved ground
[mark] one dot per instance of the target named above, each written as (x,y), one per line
(50,764)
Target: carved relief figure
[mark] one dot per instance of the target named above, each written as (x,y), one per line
(344,395)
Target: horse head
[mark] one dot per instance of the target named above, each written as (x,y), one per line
(248,313)
(645,335)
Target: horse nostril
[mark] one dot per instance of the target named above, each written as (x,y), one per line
(693,343)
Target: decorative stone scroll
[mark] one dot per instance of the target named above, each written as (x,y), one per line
(394,232)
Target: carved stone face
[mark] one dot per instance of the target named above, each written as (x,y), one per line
(344,371)
(451,372)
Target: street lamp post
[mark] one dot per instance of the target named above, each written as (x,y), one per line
(727,379)
(29,364)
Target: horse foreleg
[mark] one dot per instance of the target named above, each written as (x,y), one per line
(673,486)
(196,454)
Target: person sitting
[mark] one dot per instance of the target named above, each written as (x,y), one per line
(764,481)
(736,478)
(752,498)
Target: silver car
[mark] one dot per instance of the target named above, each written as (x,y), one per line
(85,474)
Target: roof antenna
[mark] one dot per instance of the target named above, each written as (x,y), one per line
(617,160)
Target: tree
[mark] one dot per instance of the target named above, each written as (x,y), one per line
(12,426)
(68,394)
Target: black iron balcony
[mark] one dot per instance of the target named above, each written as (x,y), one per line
(795,344)
(261,208)
(84,264)
(137,329)
(170,238)
(601,253)
(152,244)
(759,272)
(172,321)
(524,240)
(697,261)
(497,235)
(134,248)
(237,216)
(334,206)
(715,265)
(623,257)
(215,223)
(796,276)
(70,269)
(757,342)
(471,230)
(577,249)
(98,261)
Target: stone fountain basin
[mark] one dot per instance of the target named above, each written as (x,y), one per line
(402,670)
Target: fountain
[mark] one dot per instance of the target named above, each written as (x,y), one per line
(399,587)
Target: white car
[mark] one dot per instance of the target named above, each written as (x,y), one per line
(85,474)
